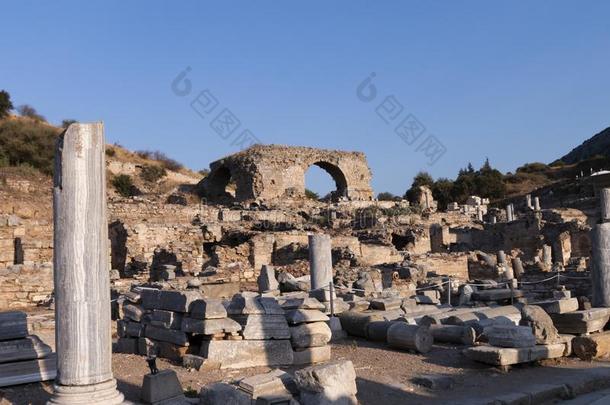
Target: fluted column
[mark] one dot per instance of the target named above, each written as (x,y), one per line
(80,258)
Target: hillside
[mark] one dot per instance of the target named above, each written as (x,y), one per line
(597,145)
(27,151)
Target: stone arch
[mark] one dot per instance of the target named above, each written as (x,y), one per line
(337,175)
(216,184)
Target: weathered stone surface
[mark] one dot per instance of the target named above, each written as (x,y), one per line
(271,306)
(385,304)
(377,331)
(301,303)
(310,335)
(163,386)
(280,171)
(209,326)
(312,355)
(207,308)
(464,335)
(560,306)
(248,353)
(590,347)
(262,327)
(127,345)
(541,324)
(501,356)
(28,348)
(434,382)
(223,394)
(330,383)
(166,335)
(13,325)
(297,316)
(147,347)
(245,305)
(166,319)
(580,322)
(356,323)
(177,301)
(412,337)
(129,329)
(271,383)
(266,279)
(510,336)
(171,351)
(133,312)
(23,372)
(498,294)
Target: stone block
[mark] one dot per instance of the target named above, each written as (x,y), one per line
(245,305)
(223,394)
(581,322)
(510,336)
(301,303)
(208,308)
(210,326)
(297,316)
(133,312)
(248,353)
(262,327)
(339,306)
(147,347)
(310,335)
(192,361)
(28,348)
(127,345)
(129,329)
(177,301)
(24,372)
(13,325)
(385,304)
(166,319)
(501,356)
(560,306)
(311,355)
(171,351)
(266,280)
(271,306)
(329,383)
(271,383)
(166,335)
(160,387)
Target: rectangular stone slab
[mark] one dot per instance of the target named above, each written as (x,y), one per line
(576,326)
(559,306)
(262,327)
(503,356)
(13,325)
(496,295)
(28,348)
(24,372)
(177,301)
(166,335)
(248,353)
(584,315)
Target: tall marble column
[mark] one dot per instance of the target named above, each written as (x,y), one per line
(320,265)
(80,259)
(600,269)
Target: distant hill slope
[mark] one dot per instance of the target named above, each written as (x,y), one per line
(598,145)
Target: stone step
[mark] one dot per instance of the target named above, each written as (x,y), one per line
(235,354)
(504,356)
(24,372)
(28,348)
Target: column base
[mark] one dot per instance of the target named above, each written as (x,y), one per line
(104,393)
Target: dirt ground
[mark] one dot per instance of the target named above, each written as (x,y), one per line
(384,375)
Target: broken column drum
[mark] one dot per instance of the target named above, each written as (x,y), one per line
(320,261)
(600,271)
(82,279)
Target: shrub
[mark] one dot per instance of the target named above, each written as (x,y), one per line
(167,162)
(24,142)
(110,152)
(5,104)
(535,167)
(28,111)
(312,195)
(152,173)
(387,196)
(123,184)
(420,179)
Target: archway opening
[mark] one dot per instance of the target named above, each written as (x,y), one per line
(220,185)
(325,180)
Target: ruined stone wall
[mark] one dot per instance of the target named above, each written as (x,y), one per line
(269,172)
(24,286)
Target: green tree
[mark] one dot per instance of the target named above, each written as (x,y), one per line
(5,104)
(123,184)
(442,191)
(67,122)
(421,179)
(387,196)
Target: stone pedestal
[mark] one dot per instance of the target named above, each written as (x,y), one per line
(82,284)
(320,265)
(162,387)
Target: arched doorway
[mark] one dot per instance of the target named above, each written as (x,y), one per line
(317,180)
(219,185)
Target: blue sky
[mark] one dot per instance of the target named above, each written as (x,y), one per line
(513,81)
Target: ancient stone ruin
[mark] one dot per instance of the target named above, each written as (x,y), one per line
(271,172)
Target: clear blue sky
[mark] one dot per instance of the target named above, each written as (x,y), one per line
(513,81)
